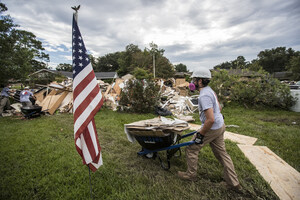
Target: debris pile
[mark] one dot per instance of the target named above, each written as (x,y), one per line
(58,97)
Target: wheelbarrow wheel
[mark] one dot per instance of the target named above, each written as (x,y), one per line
(163,165)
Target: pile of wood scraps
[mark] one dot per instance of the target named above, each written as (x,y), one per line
(112,94)
(55,97)
(159,126)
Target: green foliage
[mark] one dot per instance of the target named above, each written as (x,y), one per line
(133,57)
(181,68)
(222,83)
(276,59)
(64,67)
(20,52)
(107,63)
(238,63)
(140,74)
(260,90)
(140,96)
(294,67)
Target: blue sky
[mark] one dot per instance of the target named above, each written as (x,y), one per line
(196,33)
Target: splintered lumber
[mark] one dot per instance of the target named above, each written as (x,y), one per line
(66,104)
(107,91)
(45,103)
(283,179)
(58,99)
(116,87)
(40,95)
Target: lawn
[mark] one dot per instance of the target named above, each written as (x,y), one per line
(39,161)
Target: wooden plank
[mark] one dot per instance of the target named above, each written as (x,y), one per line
(241,139)
(283,179)
(107,91)
(57,103)
(116,87)
(40,96)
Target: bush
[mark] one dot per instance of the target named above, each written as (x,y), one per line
(259,90)
(140,96)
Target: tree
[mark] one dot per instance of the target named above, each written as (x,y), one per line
(141,74)
(181,68)
(238,63)
(163,67)
(20,52)
(64,67)
(126,59)
(108,63)
(294,67)
(275,60)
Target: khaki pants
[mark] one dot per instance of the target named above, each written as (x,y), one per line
(4,102)
(215,138)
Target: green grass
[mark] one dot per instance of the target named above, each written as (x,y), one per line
(39,161)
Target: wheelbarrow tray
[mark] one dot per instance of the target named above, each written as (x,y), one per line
(152,144)
(31,111)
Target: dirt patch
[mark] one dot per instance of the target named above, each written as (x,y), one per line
(292,121)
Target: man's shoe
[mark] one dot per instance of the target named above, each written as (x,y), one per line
(186,176)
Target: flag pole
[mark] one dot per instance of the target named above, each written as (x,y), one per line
(76,19)
(91,189)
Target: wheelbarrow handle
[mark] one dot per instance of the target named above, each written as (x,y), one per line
(146,151)
(189,134)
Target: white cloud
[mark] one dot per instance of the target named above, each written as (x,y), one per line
(195,33)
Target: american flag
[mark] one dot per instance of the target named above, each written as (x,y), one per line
(87,100)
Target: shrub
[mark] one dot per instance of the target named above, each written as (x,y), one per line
(262,90)
(140,96)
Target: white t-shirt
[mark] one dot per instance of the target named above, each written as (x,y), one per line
(25,95)
(208,99)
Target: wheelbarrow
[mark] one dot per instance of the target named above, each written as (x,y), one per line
(170,143)
(31,111)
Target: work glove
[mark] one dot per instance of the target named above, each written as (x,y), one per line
(199,138)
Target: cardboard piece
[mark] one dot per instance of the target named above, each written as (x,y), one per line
(283,179)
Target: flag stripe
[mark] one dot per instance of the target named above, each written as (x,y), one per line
(92,150)
(84,72)
(89,79)
(87,103)
(85,93)
(82,121)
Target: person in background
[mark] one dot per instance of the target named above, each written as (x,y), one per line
(25,97)
(4,99)
(211,132)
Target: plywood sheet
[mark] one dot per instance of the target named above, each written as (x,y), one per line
(241,139)
(57,101)
(283,179)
